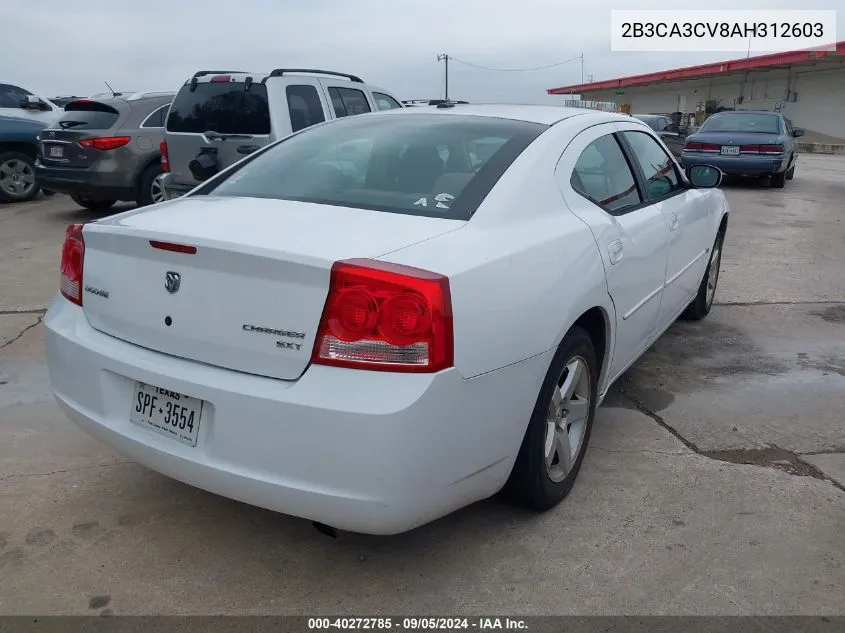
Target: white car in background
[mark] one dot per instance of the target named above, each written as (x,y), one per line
(374,348)
(17,101)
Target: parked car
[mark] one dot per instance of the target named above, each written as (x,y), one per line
(64,100)
(374,348)
(17,101)
(745,143)
(105,150)
(219,117)
(18,139)
(666,129)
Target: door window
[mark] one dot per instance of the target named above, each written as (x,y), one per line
(304,106)
(661,176)
(602,175)
(11,96)
(348,101)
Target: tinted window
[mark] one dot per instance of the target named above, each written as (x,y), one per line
(389,164)
(91,115)
(156,119)
(657,167)
(603,175)
(742,122)
(789,128)
(11,96)
(227,108)
(348,101)
(385,102)
(304,106)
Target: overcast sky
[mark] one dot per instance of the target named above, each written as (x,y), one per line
(56,47)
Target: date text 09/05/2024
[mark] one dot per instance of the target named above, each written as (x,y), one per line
(417,624)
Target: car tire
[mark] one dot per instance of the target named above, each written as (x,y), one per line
(778,180)
(540,479)
(17,177)
(150,190)
(703,302)
(92,205)
(790,173)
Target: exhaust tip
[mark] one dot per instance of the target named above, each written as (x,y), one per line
(324,529)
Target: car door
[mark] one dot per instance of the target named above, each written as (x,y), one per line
(686,216)
(13,97)
(599,186)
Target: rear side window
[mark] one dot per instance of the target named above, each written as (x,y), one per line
(91,115)
(304,106)
(428,165)
(602,174)
(348,101)
(385,102)
(226,108)
(156,119)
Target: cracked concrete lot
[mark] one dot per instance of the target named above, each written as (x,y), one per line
(713,483)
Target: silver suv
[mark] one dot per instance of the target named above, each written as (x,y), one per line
(219,117)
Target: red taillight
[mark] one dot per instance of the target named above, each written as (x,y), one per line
(385,317)
(165,157)
(761,149)
(173,247)
(73,258)
(105,143)
(218,79)
(700,147)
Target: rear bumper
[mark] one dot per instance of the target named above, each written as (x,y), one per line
(736,165)
(88,182)
(370,452)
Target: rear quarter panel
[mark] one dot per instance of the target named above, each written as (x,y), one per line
(521,271)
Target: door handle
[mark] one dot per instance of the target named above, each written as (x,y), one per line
(247,149)
(673,222)
(614,251)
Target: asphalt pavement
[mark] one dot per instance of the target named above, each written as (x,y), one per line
(714,483)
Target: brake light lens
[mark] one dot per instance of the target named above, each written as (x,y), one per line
(385,317)
(173,247)
(761,149)
(220,79)
(700,147)
(105,143)
(165,157)
(73,258)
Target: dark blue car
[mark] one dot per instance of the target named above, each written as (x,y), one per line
(17,158)
(745,143)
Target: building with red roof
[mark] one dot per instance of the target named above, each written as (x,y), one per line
(807,86)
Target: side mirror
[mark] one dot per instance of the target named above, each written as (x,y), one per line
(33,103)
(797,133)
(704,176)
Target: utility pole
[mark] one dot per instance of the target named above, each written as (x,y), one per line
(445,57)
(582,67)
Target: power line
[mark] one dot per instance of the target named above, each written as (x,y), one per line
(517,70)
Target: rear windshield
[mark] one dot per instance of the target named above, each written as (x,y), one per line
(432,165)
(742,122)
(227,108)
(89,115)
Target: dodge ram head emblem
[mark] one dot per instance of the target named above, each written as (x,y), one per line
(172,281)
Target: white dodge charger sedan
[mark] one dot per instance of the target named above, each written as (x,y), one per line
(384,318)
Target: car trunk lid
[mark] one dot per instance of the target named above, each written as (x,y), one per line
(251,295)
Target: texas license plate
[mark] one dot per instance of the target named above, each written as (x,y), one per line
(730,150)
(56,151)
(171,414)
